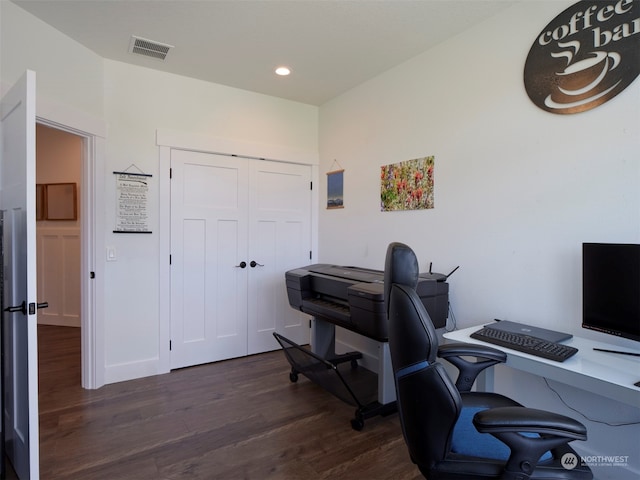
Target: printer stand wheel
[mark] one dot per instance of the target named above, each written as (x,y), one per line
(293,376)
(357,423)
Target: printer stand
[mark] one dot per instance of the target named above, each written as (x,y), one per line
(340,375)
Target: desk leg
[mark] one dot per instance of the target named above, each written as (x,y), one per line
(484,382)
(386,384)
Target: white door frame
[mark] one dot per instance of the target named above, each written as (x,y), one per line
(168,139)
(93,133)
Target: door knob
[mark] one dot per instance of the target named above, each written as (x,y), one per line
(255,264)
(33,306)
(18,308)
(242,265)
(23,307)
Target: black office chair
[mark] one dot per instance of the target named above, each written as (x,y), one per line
(451,432)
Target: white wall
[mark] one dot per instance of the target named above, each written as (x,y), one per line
(517,191)
(66,72)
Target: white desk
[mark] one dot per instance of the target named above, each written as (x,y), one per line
(608,374)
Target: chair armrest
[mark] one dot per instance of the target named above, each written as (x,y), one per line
(508,425)
(522,419)
(468,370)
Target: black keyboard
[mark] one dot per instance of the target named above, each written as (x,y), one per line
(525,343)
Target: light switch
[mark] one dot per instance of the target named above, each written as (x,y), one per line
(111,254)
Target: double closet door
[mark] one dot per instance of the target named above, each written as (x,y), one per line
(237,225)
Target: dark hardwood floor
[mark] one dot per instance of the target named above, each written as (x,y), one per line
(238,419)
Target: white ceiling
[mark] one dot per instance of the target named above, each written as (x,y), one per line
(330,45)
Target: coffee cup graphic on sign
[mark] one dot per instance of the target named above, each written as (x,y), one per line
(586,75)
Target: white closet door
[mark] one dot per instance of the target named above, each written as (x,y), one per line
(237,225)
(279,240)
(208,245)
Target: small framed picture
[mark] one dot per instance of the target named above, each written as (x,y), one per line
(61,201)
(40,198)
(335,189)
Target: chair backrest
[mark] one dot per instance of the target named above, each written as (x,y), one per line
(428,401)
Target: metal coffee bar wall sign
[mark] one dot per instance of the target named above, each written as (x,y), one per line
(586,56)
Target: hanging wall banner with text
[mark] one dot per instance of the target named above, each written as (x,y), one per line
(132,191)
(586,56)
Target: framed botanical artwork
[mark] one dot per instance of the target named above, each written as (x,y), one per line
(407,185)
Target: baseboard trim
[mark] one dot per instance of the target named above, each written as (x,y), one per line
(132,370)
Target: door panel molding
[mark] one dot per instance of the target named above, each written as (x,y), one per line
(59,274)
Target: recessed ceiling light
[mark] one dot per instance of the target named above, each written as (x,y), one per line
(283,71)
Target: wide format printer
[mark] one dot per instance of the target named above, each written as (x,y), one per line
(352,298)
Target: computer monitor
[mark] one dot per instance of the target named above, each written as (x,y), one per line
(611,289)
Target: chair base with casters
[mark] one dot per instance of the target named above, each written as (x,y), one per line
(451,432)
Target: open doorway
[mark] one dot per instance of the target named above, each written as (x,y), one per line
(59,156)
(87,135)
(90,133)
(58,179)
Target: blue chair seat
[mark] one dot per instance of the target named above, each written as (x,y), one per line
(468,441)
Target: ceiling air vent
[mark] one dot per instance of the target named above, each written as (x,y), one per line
(149,48)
